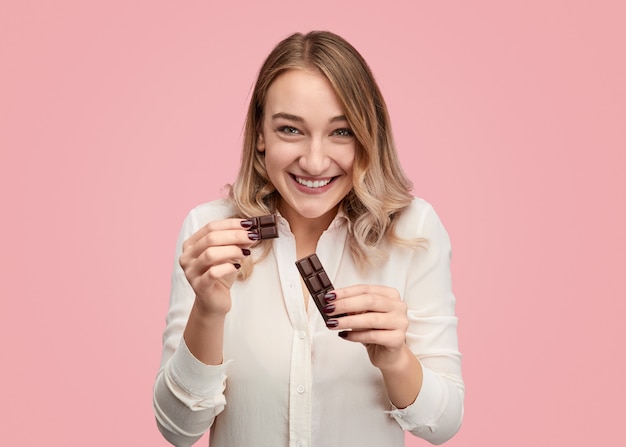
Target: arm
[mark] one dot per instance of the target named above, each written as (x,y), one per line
(188,392)
(412,340)
(437,412)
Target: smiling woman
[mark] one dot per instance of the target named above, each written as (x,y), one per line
(245,354)
(309,149)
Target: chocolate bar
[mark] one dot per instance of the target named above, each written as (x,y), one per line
(317,281)
(264,226)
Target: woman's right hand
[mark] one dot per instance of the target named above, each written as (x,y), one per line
(211,259)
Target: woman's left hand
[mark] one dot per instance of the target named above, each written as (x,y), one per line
(378,319)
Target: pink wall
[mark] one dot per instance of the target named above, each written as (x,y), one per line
(117,117)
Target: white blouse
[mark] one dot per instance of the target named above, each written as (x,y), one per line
(287,380)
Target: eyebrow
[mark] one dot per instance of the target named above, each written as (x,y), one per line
(299,119)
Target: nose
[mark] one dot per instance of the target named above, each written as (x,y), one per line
(315,159)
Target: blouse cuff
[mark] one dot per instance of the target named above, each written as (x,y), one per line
(422,415)
(196,384)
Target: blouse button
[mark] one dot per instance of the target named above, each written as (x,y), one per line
(300,389)
(301,335)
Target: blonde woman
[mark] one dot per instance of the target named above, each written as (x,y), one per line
(246,352)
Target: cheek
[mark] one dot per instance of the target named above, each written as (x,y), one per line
(345,159)
(276,159)
(270,164)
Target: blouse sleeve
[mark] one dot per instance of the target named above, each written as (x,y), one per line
(188,394)
(437,412)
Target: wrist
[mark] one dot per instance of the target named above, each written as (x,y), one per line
(403,379)
(402,361)
(204,335)
(212,308)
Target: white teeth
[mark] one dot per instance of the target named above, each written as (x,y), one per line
(313,184)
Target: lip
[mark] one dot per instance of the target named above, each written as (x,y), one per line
(308,190)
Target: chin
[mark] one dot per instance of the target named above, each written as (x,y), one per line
(316,213)
(310,208)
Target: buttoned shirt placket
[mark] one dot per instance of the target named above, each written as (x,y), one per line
(300,398)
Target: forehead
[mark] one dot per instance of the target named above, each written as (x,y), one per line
(302,93)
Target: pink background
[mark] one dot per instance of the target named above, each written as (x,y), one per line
(117,117)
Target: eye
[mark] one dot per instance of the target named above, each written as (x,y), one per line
(288,130)
(343,133)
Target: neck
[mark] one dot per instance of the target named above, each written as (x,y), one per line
(307,231)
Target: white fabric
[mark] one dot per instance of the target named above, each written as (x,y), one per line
(287,380)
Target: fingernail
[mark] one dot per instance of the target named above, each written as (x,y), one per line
(237,266)
(253,236)
(245,252)
(329,308)
(330,296)
(332,323)
(343,334)
(246,223)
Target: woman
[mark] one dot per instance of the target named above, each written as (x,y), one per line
(246,353)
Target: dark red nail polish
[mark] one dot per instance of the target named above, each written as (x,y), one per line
(246,223)
(329,308)
(343,334)
(237,266)
(332,323)
(245,251)
(330,296)
(253,236)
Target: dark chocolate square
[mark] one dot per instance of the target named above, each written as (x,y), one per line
(316,281)
(264,226)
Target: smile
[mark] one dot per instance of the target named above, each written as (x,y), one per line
(313,183)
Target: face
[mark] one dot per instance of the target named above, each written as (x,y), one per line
(308,144)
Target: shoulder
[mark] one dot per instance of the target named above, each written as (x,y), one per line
(418,220)
(208,212)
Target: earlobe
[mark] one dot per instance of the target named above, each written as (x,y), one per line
(260,143)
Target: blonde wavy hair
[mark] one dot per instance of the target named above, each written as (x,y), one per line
(380,189)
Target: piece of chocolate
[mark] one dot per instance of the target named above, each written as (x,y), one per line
(317,281)
(264,226)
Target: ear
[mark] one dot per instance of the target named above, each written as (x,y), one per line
(260,143)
